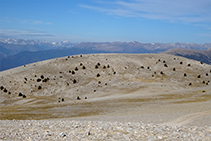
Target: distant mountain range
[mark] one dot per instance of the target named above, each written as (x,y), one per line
(14,53)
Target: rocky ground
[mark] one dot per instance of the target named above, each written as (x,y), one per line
(107,97)
(98,130)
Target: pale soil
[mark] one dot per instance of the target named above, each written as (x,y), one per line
(124,91)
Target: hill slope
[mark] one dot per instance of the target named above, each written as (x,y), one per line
(199,55)
(119,86)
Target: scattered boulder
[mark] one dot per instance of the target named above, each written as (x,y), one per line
(24,96)
(190,84)
(188,65)
(25,78)
(174,69)
(108,66)
(78,98)
(98,75)
(199,76)
(185,74)
(84,67)
(62,99)
(96,66)
(76,69)
(165,65)
(181,63)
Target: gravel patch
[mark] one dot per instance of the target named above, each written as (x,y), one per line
(97,130)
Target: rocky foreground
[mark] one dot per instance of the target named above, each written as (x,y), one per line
(97,130)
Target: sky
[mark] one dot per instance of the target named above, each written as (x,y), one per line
(146,21)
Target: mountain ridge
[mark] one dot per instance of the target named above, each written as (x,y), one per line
(199,55)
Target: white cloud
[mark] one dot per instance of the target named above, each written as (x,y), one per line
(172,10)
(22,34)
(24,21)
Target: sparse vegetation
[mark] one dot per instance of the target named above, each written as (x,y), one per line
(42,77)
(5,90)
(165,65)
(38,80)
(20,94)
(74,81)
(1,87)
(78,98)
(39,87)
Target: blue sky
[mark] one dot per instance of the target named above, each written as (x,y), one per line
(147,21)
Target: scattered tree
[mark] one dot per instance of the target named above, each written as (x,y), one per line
(74,81)
(39,87)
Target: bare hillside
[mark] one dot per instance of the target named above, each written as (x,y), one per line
(156,88)
(199,55)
